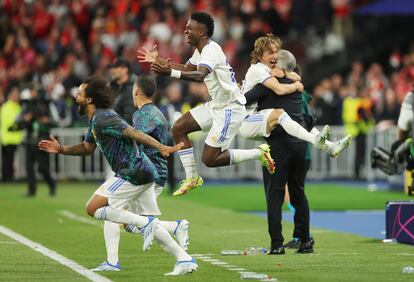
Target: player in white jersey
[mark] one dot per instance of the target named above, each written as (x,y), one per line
(221,117)
(266,60)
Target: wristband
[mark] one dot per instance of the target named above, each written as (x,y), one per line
(60,149)
(175,73)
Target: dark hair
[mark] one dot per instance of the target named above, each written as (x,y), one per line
(147,85)
(206,20)
(100,92)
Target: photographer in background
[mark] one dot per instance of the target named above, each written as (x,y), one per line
(401,156)
(36,120)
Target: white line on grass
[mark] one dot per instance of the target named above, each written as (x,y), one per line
(229,267)
(54,255)
(82,219)
(8,242)
(203,257)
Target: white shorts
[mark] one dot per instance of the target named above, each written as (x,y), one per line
(254,126)
(222,124)
(122,194)
(144,207)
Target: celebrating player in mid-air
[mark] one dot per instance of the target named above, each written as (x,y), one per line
(221,116)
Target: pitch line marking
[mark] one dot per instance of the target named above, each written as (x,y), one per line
(92,276)
(78,218)
(230,267)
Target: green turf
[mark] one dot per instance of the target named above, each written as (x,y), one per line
(321,197)
(337,257)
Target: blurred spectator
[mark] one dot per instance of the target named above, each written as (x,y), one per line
(122,82)
(9,111)
(327,102)
(386,113)
(35,119)
(358,119)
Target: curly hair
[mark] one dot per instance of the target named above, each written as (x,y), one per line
(206,20)
(100,92)
(262,44)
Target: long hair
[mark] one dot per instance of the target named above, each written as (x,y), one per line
(262,44)
(100,92)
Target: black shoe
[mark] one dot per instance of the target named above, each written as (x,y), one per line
(305,248)
(28,195)
(294,244)
(312,241)
(277,251)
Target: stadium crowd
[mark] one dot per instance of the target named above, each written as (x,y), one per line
(50,46)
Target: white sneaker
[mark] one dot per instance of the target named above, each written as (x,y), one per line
(337,147)
(181,233)
(322,137)
(148,232)
(183,267)
(106,266)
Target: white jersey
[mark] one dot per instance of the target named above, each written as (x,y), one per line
(221,82)
(257,73)
(405,120)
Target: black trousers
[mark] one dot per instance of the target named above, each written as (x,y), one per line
(7,162)
(290,163)
(33,156)
(361,145)
(296,230)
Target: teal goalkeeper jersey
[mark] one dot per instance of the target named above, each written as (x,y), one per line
(150,120)
(126,159)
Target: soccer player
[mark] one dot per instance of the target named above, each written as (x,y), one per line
(134,172)
(148,119)
(221,116)
(266,56)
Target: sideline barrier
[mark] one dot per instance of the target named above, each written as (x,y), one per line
(322,166)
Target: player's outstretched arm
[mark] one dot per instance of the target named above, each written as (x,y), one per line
(52,146)
(190,73)
(143,138)
(145,55)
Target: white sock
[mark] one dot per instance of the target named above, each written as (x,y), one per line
(295,129)
(238,156)
(315,131)
(167,242)
(170,226)
(187,159)
(130,228)
(120,216)
(112,236)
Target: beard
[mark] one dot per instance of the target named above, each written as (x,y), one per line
(81,109)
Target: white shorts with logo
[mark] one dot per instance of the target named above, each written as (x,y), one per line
(254,126)
(222,124)
(122,194)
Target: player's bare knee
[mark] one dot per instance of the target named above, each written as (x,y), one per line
(91,209)
(208,161)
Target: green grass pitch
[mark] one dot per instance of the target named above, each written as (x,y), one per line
(218,221)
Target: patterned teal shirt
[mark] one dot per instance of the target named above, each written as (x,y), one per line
(150,120)
(126,159)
